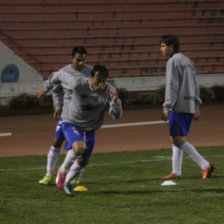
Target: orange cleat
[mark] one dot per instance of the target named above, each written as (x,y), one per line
(207,172)
(170,176)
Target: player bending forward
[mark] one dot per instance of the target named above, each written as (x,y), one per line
(82,117)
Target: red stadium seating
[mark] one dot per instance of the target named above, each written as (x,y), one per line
(123,36)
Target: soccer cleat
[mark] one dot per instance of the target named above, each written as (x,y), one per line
(69,189)
(207,172)
(170,176)
(76,181)
(47,181)
(60,179)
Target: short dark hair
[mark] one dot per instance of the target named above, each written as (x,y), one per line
(102,71)
(79,50)
(171,40)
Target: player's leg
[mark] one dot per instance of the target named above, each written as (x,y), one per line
(53,155)
(177,154)
(74,141)
(68,161)
(52,159)
(192,152)
(83,144)
(182,123)
(70,158)
(177,159)
(76,170)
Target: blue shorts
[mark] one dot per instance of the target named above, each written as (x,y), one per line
(179,123)
(59,134)
(74,133)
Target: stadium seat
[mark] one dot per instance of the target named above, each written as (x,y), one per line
(124,36)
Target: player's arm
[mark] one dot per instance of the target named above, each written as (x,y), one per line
(58,99)
(55,79)
(48,85)
(41,92)
(115,110)
(165,114)
(198,101)
(172,87)
(197,114)
(57,114)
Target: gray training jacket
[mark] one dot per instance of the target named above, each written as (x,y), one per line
(87,108)
(182,90)
(62,94)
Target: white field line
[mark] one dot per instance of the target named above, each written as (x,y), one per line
(5,134)
(112,126)
(134,124)
(157,159)
(90,165)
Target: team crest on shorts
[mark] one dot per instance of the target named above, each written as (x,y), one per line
(58,127)
(75,131)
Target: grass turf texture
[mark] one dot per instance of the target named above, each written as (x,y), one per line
(122,188)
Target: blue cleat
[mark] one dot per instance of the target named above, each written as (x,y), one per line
(68,188)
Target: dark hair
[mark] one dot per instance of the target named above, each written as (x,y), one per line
(171,40)
(79,50)
(102,71)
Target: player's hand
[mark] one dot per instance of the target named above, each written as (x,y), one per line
(165,114)
(57,114)
(113,94)
(197,115)
(41,92)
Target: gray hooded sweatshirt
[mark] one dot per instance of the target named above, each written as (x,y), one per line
(62,94)
(182,90)
(87,108)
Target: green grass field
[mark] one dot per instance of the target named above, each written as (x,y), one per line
(124,188)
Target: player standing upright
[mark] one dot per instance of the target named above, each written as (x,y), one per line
(181,105)
(61,97)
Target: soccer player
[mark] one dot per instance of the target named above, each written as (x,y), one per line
(181,105)
(83,116)
(61,97)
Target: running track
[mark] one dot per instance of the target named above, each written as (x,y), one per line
(32,135)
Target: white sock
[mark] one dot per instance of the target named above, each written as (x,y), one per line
(68,161)
(75,171)
(194,155)
(52,159)
(177,158)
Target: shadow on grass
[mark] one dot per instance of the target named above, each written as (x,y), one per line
(199,177)
(122,182)
(149,180)
(134,192)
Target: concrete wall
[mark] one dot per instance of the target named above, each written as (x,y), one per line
(29,80)
(154,82)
